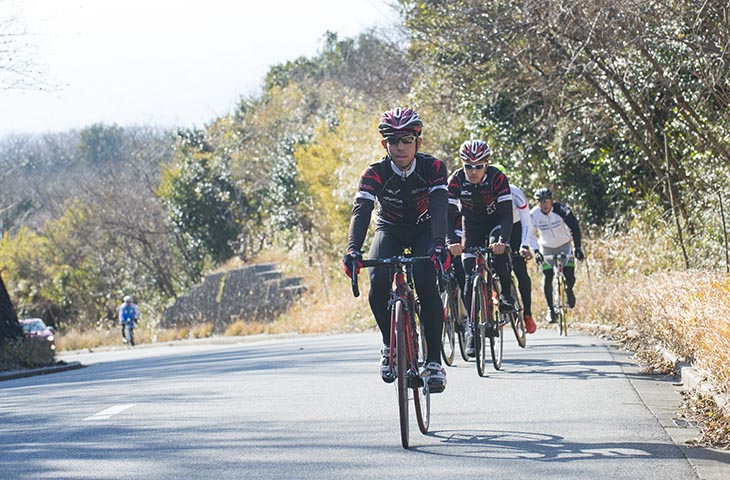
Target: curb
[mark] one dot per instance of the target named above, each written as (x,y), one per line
(695,379)
(692,378)
(12,374)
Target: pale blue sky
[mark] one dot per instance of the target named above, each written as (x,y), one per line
(164,62)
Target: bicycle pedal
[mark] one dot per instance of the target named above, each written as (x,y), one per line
(413,379)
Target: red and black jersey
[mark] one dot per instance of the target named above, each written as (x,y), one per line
(404,198)
(481,203)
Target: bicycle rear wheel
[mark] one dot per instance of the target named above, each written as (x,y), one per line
(461,335)
(479,308)
(517,319)
(496,340)
(401,363)
(448,335)
(422,395)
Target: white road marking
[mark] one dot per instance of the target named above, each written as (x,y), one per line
(105,414)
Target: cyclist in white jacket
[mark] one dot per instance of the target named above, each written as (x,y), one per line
(557,226)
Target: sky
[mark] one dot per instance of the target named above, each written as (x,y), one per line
(163,62)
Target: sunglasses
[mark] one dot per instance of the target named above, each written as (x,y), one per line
(478,166)
(407,140)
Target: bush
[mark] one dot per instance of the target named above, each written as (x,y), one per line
(25,352)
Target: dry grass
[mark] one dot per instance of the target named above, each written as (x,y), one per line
(686,312)
(88,340)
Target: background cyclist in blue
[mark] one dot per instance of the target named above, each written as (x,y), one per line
(128,317)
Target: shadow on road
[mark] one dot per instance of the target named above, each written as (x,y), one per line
(542,447)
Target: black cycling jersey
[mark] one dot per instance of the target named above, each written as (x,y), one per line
(405,198)
(486,203)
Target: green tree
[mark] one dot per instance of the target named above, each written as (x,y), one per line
(203,201)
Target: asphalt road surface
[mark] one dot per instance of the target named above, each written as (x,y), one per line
(314,407)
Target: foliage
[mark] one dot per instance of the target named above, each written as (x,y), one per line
(103,234)
(601,100)
(203,201)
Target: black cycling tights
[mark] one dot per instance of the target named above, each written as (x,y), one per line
(547,281)
(520,268)
(390,243)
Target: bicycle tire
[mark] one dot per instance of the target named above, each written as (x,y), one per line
(401,363)
(496,342)
(448,334)
(560,308)
(461,335)
(422,395)
(494,330)
(462,325)
(517,319)
(563,310)
(478,323)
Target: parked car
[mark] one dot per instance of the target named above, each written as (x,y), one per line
(36,328)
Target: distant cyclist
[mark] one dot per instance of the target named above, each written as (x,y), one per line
(410,188)
(484,196)
(522,240)
(128,317)
(556,226)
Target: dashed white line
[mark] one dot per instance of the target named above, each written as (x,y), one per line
(105,414)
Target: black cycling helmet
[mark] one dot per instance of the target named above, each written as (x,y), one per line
(543,194)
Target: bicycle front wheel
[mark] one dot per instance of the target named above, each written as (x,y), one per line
(562,322)
(401,363)
(517,319)
(448,334)
(479,308)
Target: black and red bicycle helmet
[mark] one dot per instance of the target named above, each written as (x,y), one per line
(400,121)
(474,151)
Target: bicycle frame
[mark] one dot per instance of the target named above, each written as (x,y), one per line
(484,324)
(559,299)
(402,292)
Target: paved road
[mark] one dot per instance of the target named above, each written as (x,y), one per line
(315,408)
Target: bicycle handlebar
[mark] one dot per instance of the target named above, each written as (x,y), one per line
(483,250)
(396,261)
(558,256)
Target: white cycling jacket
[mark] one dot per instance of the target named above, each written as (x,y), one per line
(557,227)
(521,213)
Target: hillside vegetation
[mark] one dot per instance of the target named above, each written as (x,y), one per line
(620,107)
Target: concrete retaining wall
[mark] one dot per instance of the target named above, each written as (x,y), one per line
(256,293)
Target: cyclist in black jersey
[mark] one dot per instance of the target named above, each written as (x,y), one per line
(411,191)
(483,193)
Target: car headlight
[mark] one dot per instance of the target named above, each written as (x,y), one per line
(50,338)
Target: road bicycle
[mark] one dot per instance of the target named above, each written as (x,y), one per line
(128,334)
(455,323)
(407,354)
(485,319)
(560,303)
